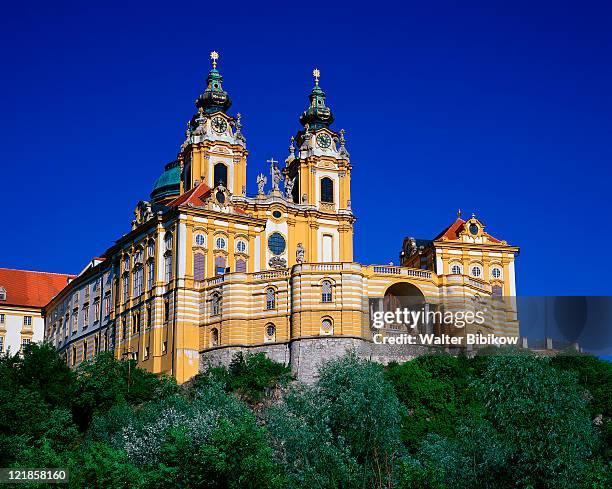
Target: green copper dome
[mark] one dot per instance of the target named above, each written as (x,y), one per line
(317,115)
(169,183)
(214,98)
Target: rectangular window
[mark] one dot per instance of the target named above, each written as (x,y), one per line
(126,287)
(2,318)
(149,316)
(107,303)
(150,274)
(328,248)
(166,310)
(27,320)
(168,267)
(1,344)
(198,267)
(146,352)
(25,342)
(96,345)
(96,310)
(85,315)
(138,282)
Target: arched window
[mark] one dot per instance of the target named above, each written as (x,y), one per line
(270,331)
(199,266)
(220,243)
(214,337)
(2,294)
(476,272)
(220,265)
(241,265)
(327,190)
(326,291)
(215,304)
(270,298)
(220,175)
(126,286)
(241,246)
(126,263)
(151,249)
(168,241)
(327,327)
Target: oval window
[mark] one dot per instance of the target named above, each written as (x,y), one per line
(277,214)
(276,243)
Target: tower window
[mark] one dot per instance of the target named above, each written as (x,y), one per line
(200,239)
(327,190)
(214,337)
(270,331)
(241,246)
(327,326)
(220,243)
(220,175)
(456,269)
(326,291)
(270,298)
(496,273)
(476,272)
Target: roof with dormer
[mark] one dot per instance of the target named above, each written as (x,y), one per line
(28,288)
(453,232)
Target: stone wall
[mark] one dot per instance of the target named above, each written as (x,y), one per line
(306,355)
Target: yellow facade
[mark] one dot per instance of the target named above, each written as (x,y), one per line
(208,269)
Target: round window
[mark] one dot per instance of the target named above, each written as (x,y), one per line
(276,243)
(220,243)
(474,229)
(241,246)
(476,271)
(496,273)
(200,240)
(277,214)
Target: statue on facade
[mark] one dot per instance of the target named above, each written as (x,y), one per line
(289,182)
(300,253)
(304,199)
(261,183)
(275,173)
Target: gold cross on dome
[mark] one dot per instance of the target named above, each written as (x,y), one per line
(214,56)
(316,73)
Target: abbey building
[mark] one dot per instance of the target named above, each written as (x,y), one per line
(208,270)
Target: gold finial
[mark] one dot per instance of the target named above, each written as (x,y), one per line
(214,56)
(316,73)
(459,213)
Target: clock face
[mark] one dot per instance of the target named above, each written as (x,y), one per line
(324,141)
(219,125)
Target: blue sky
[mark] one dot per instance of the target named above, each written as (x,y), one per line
(497,108)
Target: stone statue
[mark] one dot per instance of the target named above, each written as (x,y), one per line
(300,253)
(261,183)
(289,182)
(276,175)
(304,199)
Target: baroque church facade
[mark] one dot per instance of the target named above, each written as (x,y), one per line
(208,270)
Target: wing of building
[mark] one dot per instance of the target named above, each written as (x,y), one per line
(208,270)
(23,295)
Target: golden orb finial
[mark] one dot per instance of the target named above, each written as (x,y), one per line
(316,73)
(214,56)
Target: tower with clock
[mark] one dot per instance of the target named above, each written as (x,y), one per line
(214,151)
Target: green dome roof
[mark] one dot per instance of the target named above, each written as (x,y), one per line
(169,183)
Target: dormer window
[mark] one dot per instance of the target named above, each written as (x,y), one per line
(473,229)
(2,294)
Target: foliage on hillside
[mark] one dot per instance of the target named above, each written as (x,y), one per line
(494,421)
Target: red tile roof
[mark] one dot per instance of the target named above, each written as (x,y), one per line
(196,196)
(33,289)
(453,231)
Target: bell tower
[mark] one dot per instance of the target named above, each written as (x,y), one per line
(321,169)
(318,170)
(214,151)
